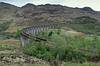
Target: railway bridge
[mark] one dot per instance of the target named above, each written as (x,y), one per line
(31,32)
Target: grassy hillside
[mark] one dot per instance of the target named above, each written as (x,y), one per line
(85,24)
(62,46)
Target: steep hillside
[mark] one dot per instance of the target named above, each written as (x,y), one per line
(29,14)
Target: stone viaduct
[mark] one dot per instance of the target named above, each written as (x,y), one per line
(31,32)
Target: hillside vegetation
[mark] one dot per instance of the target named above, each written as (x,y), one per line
(85,24)
(60,47)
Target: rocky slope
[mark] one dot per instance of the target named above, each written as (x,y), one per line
(30,13)
(7,11)
(44,12)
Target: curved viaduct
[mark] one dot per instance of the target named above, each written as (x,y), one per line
(31,32)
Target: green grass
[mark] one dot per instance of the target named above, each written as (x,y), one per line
(10,42)
(68,64)
(20,65)
(81,64)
